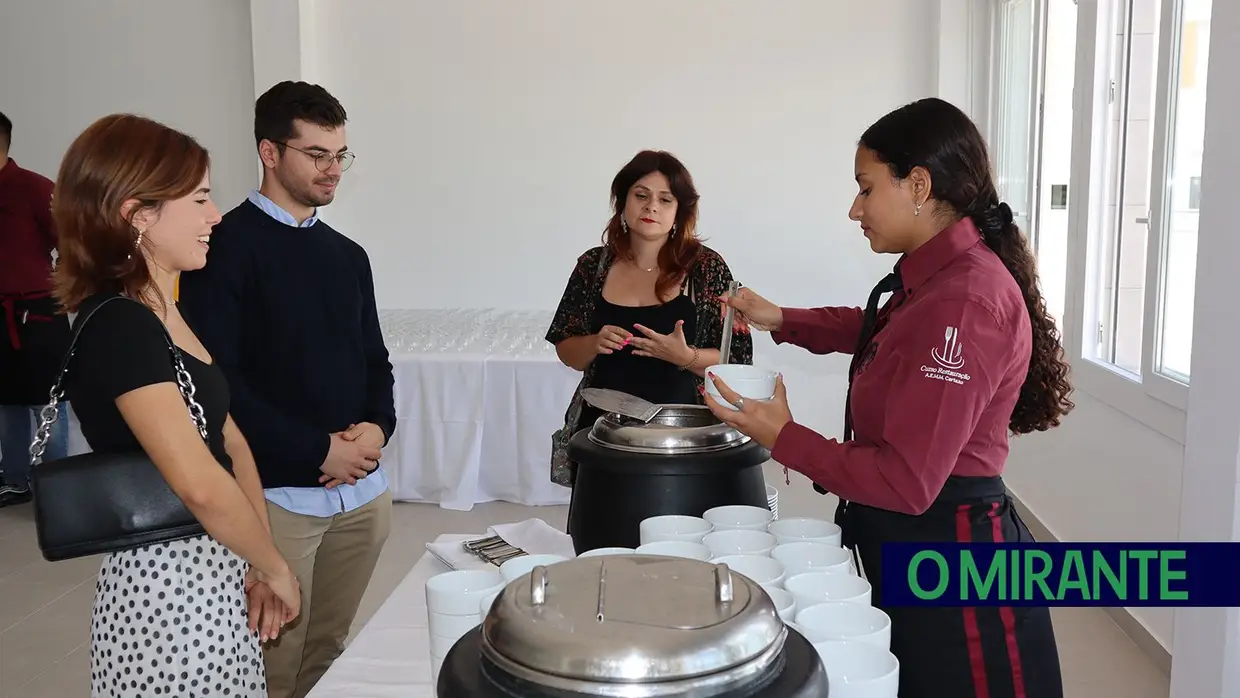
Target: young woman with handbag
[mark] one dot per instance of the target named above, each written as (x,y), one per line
(170,494)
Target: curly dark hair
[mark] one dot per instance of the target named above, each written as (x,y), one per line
(939,137)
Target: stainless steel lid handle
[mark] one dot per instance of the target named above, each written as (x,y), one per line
(538,585)
(723,583)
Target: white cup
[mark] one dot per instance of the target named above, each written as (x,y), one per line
(799,558)
(452,627)
(597,552)
(676,548)
(436,665)
(785,604)
(840,620)
(673,527)
(458,593)
(813,588)
(859,670)
(750,382)
(739,543)
(764,571)
(797,530)
(484,606)
(521,566)
(739,517)
(440,645)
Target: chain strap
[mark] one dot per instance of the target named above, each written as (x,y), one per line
(49,414)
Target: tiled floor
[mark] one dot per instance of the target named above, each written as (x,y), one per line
(45,607)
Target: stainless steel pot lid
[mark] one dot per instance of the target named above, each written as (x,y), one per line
(627,624)
(674,430)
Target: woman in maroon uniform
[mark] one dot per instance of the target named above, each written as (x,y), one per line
(962,353)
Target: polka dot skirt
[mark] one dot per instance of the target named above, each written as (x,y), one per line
(170,620)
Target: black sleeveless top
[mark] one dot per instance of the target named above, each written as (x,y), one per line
(646,377)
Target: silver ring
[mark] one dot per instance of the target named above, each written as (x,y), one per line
(740,403)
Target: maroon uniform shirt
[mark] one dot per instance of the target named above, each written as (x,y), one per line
(27,237)
(935,389)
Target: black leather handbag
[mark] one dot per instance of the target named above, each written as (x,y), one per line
(97,503)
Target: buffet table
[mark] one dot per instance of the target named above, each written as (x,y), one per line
(478,395)
(390,657)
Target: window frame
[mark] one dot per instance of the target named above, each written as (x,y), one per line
(1156,400)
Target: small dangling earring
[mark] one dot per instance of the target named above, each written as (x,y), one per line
(137,244)
(624,225)
(673,232)
(916,209)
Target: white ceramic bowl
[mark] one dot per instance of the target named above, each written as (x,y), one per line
(804,530)
(484,606)
(750,382)
(452,627)
(764,571)
(813,588)
(673,527)
(458,593)
(785,604)
(840,620)
(521,566)
(799,558)
(739,517)
(859,670)
(739,543)
(607,551)
(676,548)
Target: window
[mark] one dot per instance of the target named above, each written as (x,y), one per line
(1185,134)
(1033,130)
(1098,126)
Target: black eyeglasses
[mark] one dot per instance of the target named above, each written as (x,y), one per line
(323,161)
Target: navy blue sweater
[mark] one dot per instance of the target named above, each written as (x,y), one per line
(289,315)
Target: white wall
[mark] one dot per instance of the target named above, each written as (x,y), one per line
(65,63)
(487,135)
(494,130)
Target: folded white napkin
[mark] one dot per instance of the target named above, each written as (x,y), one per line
(534,536)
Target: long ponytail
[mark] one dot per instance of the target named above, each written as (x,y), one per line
(1045,394)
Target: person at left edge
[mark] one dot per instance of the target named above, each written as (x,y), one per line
(35,335)
(962,355)
(287,306)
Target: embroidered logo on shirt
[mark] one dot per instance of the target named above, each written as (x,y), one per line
(950,359)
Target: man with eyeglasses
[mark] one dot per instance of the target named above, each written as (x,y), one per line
(286,306)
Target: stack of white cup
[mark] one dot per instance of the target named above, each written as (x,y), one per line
(453,605)
(811,579)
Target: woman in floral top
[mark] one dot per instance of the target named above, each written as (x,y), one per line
(642,314)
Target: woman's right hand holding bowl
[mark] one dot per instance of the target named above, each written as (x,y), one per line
(753,311)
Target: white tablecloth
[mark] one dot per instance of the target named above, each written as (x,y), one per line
(478,395)
(391,655)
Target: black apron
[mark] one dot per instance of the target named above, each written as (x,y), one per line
(974,652)
(33,341)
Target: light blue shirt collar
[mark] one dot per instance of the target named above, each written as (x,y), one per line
(274,210)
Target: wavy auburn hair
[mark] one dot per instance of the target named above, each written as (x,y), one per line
(683,247)
(118,158)
(938,136)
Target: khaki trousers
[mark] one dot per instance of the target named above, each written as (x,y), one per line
(333,559)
